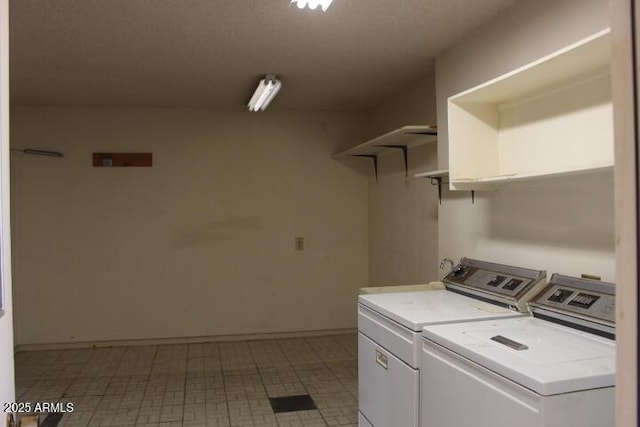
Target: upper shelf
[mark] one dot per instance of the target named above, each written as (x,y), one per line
(406,136)
(544,74)
(550,117)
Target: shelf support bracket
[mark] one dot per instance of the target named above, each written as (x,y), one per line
(473,197)
(373,157)
(405,153)
(436,180)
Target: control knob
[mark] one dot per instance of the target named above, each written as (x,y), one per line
(459,271)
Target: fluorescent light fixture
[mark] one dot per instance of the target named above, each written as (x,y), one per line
(267,89)
(313,4)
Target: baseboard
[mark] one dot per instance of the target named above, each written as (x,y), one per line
(183,340)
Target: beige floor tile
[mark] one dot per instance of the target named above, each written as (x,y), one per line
(204,384)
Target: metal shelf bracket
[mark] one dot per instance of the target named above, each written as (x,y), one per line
(374,157)
(437,180)
(405,153)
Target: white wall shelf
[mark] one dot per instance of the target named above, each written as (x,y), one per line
(550,117)
(442,173)
(440,178)
(399,139)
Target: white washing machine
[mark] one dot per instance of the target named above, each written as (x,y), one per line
(390,332)
(554,369)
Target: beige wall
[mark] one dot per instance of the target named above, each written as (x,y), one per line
(415,105)
(403,212)
(7,391)
(563,225)
(202,243)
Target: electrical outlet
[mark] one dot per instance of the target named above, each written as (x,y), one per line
(299,243)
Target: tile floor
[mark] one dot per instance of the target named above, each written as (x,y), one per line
(208,384)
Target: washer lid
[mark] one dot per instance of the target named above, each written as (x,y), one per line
(542,356)
(414,310)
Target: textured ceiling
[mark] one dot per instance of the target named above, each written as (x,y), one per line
(212,53)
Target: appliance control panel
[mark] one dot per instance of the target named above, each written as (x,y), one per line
(494,278)
(576,296)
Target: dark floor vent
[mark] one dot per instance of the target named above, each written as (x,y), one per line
(302,402)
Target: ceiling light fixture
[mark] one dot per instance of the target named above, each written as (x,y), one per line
(313,4)
(267,89)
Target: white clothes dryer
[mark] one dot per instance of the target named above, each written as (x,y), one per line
(554,369)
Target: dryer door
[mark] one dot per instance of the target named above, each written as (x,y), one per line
(388,388)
